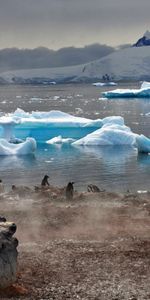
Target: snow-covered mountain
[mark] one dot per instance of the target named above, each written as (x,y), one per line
(144,41)
(132,63)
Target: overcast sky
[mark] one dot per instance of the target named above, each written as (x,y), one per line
(59,23)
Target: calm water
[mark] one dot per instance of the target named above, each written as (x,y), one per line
(112,168)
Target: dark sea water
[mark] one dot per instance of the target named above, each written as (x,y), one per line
(112,168)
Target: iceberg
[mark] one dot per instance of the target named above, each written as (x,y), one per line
(115,133)
(143,92)
(111,83)
(56,127)
(9,144)
(109,135)
(143,143)
(24,148)
(46,125)
(8,124)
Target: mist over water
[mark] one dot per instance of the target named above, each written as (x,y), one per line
(111,168)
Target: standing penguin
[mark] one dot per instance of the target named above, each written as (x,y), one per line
(1,186)
(45,181)
(69,191)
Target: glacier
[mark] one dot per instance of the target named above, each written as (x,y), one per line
(142,92)
(56,127)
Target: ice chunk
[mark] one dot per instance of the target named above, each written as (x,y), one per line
(143,92)
(24,148)
(113,120)
(112,134)
(111,83)
(8,124)
(143,143)
(115,134)
(145,85)
(127,93)
(60,140)
(53,116)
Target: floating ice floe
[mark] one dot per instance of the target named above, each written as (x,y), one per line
(142,143)
(109,135)
(60,140)
(115,134)
(99,84)
(143,92)
(24,148)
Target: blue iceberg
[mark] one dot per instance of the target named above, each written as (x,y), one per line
(56,127)
(109,135)
(44,126)
(143,92)
(9,144)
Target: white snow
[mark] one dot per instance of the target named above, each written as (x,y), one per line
(57,73)
(129,63)
(54,116)
(147,35)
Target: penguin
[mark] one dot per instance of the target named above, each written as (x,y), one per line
(1,186)
(45,181)
(69,191)
(93,188)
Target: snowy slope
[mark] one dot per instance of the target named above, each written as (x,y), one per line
(130,63)
(58,74)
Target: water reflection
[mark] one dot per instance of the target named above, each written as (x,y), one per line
(17,162)
(144,160)
(118,155)
(112,168)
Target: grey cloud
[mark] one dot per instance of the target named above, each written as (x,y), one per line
(42,57)
(71,22)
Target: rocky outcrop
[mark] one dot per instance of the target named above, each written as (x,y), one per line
(144,41)
(8,253)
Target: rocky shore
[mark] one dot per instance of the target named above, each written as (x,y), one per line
(95,246)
